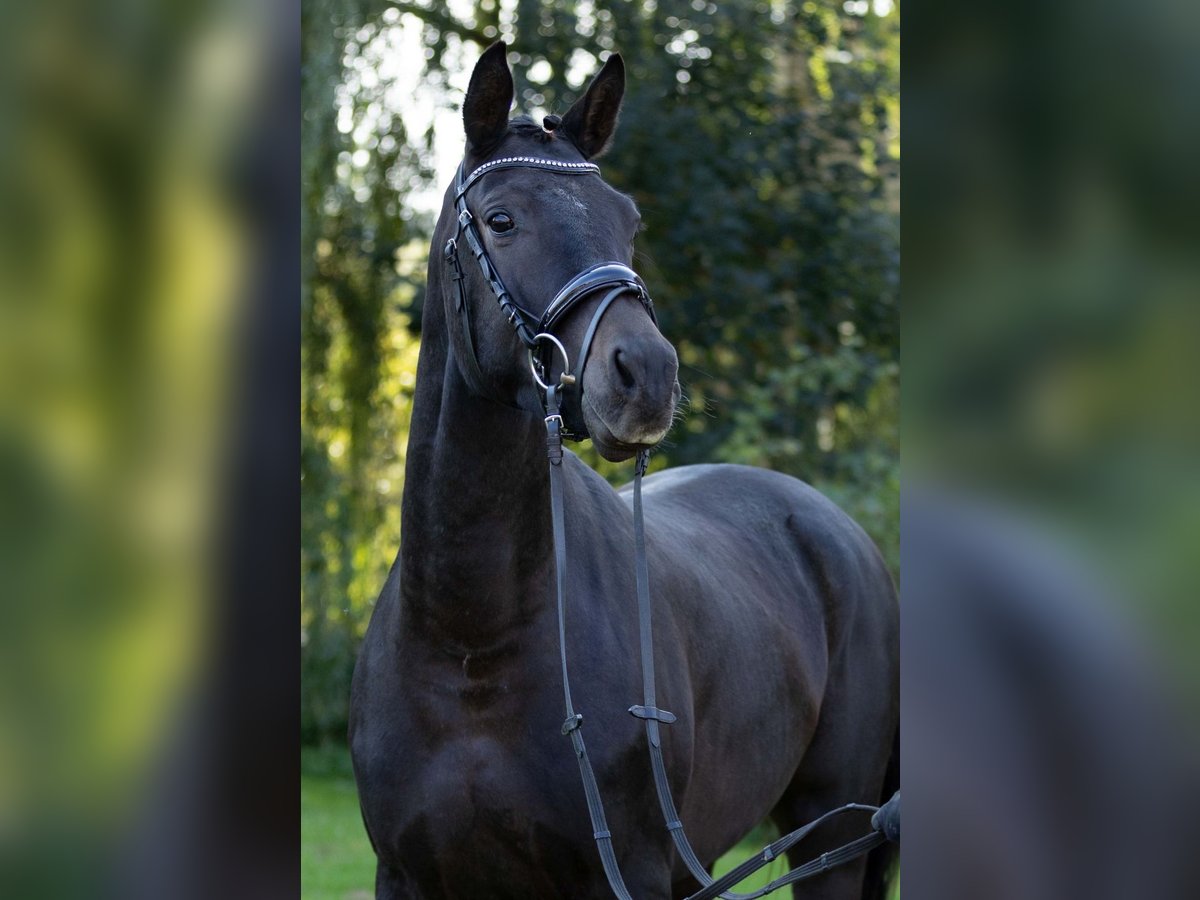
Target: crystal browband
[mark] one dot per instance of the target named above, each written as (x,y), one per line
(530,162)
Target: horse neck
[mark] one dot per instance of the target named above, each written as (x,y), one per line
(475,526)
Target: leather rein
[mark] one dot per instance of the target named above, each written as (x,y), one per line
(535,333)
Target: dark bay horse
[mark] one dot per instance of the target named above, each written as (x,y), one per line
(776,635)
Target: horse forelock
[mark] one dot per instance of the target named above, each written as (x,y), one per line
(524,126)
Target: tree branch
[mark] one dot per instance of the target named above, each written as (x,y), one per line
(444,21)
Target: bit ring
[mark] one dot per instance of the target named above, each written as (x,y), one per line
(566,377)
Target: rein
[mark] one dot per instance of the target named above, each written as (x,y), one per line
(534,332)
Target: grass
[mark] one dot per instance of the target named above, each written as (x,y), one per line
(336,861)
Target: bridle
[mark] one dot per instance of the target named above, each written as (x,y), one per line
(536,334)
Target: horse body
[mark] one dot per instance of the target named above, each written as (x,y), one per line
(776,609)
(775,641)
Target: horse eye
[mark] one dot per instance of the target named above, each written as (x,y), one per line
(501,222)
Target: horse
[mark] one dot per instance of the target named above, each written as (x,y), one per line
(777,621)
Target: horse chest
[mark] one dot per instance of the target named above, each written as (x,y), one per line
(465,780)
(480,818)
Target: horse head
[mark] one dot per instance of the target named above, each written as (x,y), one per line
(553,243)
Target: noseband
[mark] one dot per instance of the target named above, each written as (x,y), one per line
(535,332)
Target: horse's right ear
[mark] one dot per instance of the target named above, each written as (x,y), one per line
(592,119)
(489,97)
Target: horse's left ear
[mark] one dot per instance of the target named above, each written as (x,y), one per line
(591,121)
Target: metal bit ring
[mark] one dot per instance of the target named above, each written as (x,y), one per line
(566,377)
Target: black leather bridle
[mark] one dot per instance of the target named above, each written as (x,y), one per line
(536,334)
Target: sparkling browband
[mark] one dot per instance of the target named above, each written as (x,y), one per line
(532,162)
(591,167)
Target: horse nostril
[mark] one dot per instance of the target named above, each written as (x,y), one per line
(621,362)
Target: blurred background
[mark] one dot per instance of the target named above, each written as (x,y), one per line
(148,221)
(1051,503)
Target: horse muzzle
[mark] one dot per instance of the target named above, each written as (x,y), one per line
(630,391)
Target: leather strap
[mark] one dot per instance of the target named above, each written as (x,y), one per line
(595,278)
(559,166)
(472,373)
(822,863)
(517,317)
(653,716)
(573,724)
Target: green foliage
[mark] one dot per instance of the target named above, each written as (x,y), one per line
(358,352)
(760,141)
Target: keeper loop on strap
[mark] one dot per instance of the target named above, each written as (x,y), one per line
(572,723)
(602,835)
(554,424)
(653,712)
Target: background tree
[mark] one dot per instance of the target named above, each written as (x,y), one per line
(760,140)
(358,357)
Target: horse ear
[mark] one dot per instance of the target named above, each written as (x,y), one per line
(591,121)
(489,97)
